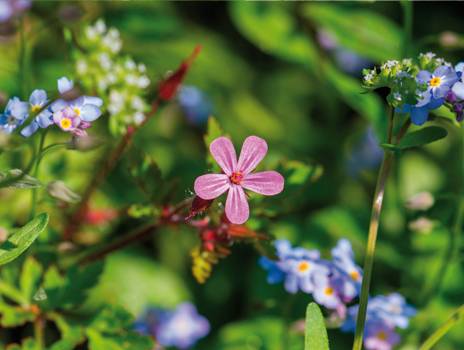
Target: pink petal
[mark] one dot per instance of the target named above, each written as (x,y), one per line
(268,183)
(253,151)
(236,205)
(223,152)
(210,186)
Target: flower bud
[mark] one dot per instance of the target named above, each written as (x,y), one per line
(59,190)
(421,225)
(420,201)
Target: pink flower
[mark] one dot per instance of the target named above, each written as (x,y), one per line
(237,176)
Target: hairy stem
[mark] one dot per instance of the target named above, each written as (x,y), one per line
(372,236)
(36,172)
(107,165)
(370,250)
(135,236)
(443,329)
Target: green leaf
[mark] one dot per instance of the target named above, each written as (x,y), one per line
(272,28)
(315,331)
(365,32)
(110,329)
(422,137)
(111,319)
(16,178)
(125,341)
(22,238)
(30,277)
(213,132)
(14,316)
(71,290)
(367,105)
(260,333)
(147,176)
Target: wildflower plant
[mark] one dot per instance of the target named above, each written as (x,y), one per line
(131,245)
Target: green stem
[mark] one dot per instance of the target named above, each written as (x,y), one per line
(370,250)
(443,329)
(372,237)
(36,171)
(39,332)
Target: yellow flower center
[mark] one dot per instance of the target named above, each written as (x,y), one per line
(328,291)
(382,335)
(354,275)
(303,266)
(77,110)
(35,108)
(435,81)
(65,123)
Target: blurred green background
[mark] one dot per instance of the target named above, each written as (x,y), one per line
(267,71)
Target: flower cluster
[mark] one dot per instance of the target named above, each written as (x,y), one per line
(120,80)
(384,315)
(419,87)
(72,116)
(331,283)
(180,328)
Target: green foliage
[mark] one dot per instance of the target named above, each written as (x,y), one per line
(315,331)
(20,239)
(422,137)
(282,36)
(260,333)
(365,32)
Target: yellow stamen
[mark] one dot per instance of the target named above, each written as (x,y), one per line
(65,123)
(35,108)
(328,291)
(354,275)
(77,110)
(382,335)
(435,81)
(303,266)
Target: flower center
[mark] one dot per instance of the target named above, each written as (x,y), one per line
(328,291)
(65,123)
(303,266)
(236,178)
(77,110)
(435,82)
(35,108)
(382,335)
(354,275)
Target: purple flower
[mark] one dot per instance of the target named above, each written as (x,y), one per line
(237,176)
(379,336)
(365,155)
(195,104)
(350,274)
(385,312)
(16,112)
(71,116)
(438,83)
(11,8)
(419,114)
(181,327)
